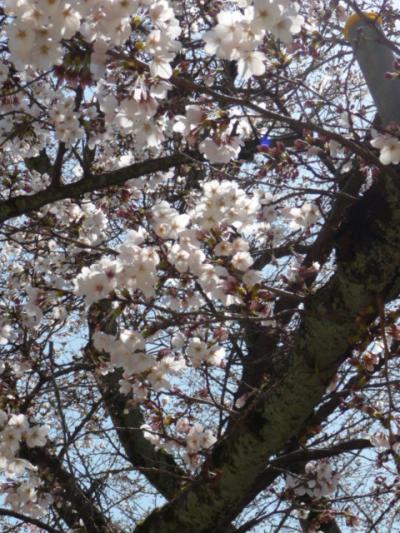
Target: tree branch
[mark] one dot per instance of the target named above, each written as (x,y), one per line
(156,465)
(23,205)
(28,520)
(75,504)
(334,318)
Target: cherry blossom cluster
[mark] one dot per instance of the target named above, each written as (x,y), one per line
(110,23)
(37,31)
(225,203)
(135,268)
(138,115)
(303,217)
(22,495)
(66,121)
(199,351)
(197,438)
(319,480)
(26,496)
(34,36)
(14,429)
(191,440)
(135,114)
(238,33)
(388,440)
(88,217)
(141,370)
(161,42)
(16,113)
(224,140)
(38,28)
(221,149)
(209,245)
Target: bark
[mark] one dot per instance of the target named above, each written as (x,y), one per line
(334,319)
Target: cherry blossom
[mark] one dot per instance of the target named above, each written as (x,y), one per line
(319,481)
(389,148)
(178,183)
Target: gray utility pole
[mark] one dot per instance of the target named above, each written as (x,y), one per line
(375,58)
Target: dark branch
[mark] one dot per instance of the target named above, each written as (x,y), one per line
(28,520)
(23,205)
(75,504)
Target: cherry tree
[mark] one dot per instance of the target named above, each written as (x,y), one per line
(200,251)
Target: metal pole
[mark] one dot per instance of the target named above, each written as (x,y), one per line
(375,59)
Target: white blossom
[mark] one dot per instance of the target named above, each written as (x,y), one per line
(36,436)
(388,146)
